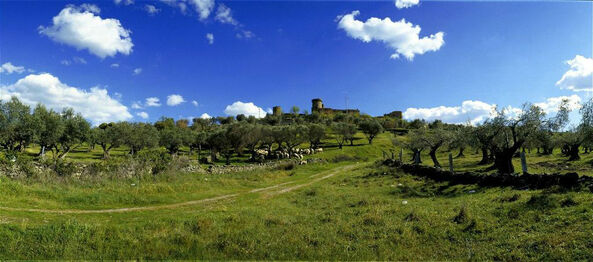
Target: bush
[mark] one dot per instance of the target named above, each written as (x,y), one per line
(158,160)
(64,168)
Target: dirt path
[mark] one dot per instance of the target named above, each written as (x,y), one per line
(330,173)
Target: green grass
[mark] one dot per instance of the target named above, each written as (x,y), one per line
(357,214)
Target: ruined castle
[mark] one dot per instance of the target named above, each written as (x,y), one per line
(317,106)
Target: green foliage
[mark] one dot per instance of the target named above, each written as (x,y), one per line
(371,128)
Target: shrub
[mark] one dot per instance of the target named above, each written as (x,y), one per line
(64,168)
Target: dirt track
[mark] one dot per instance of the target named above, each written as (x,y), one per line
(329,173)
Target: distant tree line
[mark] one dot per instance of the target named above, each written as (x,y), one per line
(65,131)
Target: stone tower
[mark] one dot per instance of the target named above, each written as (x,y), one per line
(277,111)
(317,105)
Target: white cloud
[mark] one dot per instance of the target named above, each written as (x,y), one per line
(94,104)
(580,75)
(225,15)
(194,102)
(403,37)
(82,28)
(9,68)
(151,9)
(551,104)
(205,116)
(203,7)
(142,115)
(114,65)
(137,71)
(405,3)
(79,60)
(137,105)
(477,111)
(244,34)
(248,109)
(473,111)
(125,2)
(210,38)
(153,102)
(174,100)
(91,8)
(76,59)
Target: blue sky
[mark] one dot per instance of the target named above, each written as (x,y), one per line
(287,52)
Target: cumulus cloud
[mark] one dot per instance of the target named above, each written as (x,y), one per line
(9,68)
(403,37)
(203,7)
(477,111)
(210,38)
(405,3)
(137,105)
(137,71)
(142,115)
(174,100)
(205,116)
(551,104)
(225,15)
(83,28)
(114,65)
(151,9)
(153,102)
(95,104)
(580,75)
(470,110)
(248,109)
(194,102)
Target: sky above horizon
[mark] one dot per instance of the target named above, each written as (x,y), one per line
(140,60)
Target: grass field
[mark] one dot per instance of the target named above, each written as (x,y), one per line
(348,208)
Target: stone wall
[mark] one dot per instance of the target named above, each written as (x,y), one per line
(525,181)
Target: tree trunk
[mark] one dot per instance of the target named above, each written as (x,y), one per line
(574,153)
(433,156)
(503,161)
(460,154)
(416,156)
(485,158)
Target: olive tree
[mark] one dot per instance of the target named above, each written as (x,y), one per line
(371,128)
(141,136)
(294,136)
(17,125)
(513,133)
(431,139)
(343,132)
(76,131)
(172,138)
(577,136)
(110,136)
(315,133)
(49,129)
